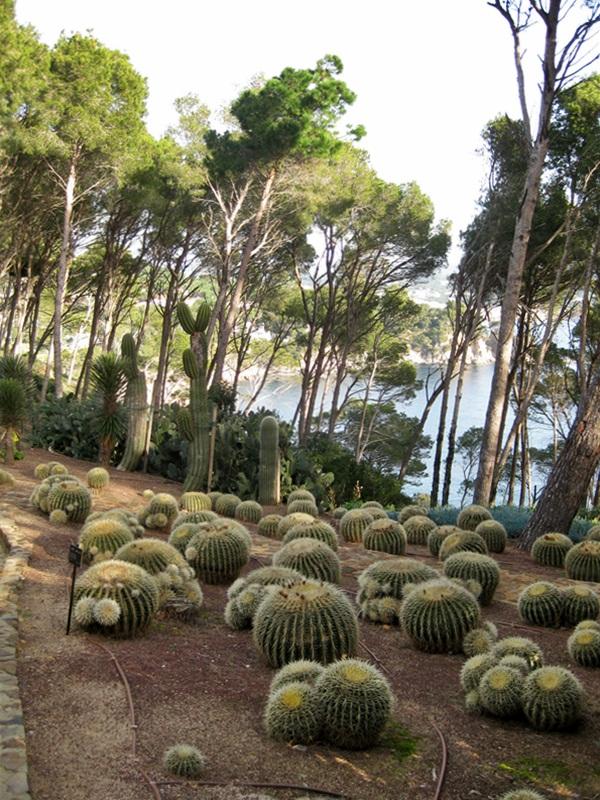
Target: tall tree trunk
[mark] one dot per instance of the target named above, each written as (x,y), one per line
(64,263)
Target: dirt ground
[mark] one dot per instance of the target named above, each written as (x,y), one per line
(206,685)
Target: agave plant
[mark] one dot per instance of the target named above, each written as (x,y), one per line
(109,381)
(13,414)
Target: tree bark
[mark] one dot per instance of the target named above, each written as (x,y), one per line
(64,262)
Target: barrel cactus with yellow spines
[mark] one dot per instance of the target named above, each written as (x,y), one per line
(193,518)
(293,714)
(317,529)
(356,702)
(58,517)
(71,497)
(588,625)
(593,534)
(265,576)
(241,608)
(579,603)
(550,549)
(309,620)
(302,671)
(474,669)
(133,592)
(124,515)
(287,523)
(377,513)
(195,501)
(501,691)
(411,511)
(217,552)
(436,616)
(310,557)
(101,538)
(248,511)
(474,566)
(385,536)
(471,516)
(56,468)
(381,610)
(268,525)
(98,478)
(519,646)
(552,699)
(354,523)
(582,562)
(437,536)
(418,528)
(301,506)
(163,503)
(541,603)
(300,494)
(389,577)
(478,641)
(339,512)
(180,537)
(584,647)
(462,542)
(226,504)
(41,471)
(515,662)
(214,496)
(184,761)
(493,534)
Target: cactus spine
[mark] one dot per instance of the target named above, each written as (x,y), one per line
(269,493)
(136,399)
(501,690)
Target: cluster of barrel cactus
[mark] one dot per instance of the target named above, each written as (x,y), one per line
(101,537)
(245,594)
(385,536)
(311,557)
(542,603)
(389,578)
(61,495)
(43,471)
(346,704)
(97,478)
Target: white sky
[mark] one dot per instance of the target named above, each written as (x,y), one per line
(428,74)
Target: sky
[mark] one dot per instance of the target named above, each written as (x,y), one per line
(428,74)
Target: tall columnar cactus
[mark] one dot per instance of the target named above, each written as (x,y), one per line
(474,566)
(353,523)
(101,538)
(311,557)
(470,517)
(313,530)
(541,603)
(550,549)
(293,714)
(385,536)
(116,598)
(584,647)
(195,363)
(462,542)
(72,497)
(552,699)
(501,691)
(217,552)
(136,399)
(418,527)
(582,562)
(309,620)
(579,603)
(493,534)
(269,492)
(356,702)
(436,616)
(388,578)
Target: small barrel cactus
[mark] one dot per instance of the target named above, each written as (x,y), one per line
(302,671)
(163,503)
(593,534)
(471,516)
(193,518)
(180,536)
(287,523)
(411,511)
(356,701)
(41,471)
(303,507)
(309,620)
(582,562)
(463,542)
(195,501)
(519,646)
(214,496)
(300,494)
(474,669)
(56,468)
(268,525)
(588,625)
(516,662)
(311,557)
(101,538)
(354,523)
(579,603)
(437,536)
(493,534)
(294,714)
(385,536)
(418,528)
(381,610)
(58,517)
(313,530)
(339,512)
(241,608)
(389,577)
(478,641)
(584,647)
(184,761)
(73,498)
(436,616)
(377,513)
(226,504)
(248,511)
(474,566)
(473,702)
(550,549)
(133,592)
(217,552)
(122,515)
(552,699)
(372,504)
(501,691)
(265,576)
(98,478)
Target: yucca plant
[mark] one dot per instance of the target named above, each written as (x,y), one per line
(109,381)
(13,414)
(16,367)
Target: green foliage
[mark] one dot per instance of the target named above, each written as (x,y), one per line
(217,552)
(501,691)
(313,530)
(493,534)
(311,557)
(541,603)
(584,647)
(462,542)
(417,528)
(73,498)
(248,511)
(269,466)
(354,523)
(474,566)
(13,413)
(550,549)
(582,562)
(579,603)
(385,536)
(294,714)
(184,761)
(470,517)
(97,478)
(552,699)
(16,368)
(100,538)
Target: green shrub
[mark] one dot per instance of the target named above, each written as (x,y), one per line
(552,699)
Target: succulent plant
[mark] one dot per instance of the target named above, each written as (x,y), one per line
(133,590)
(389,577)
(293,714)
(385,536)
(184,761)
(411,511)
(248,511)
(136,400)
(317,529)
(163,503)
(382,610)
(477,642)
(41,471)
(193,518)
(195,501)
(101,538)
(437,536)
(552,699)
(582,562)
(471,516)
(303,507)
(356,701)
(267,525)
(372,504)
(474,566)
(584,647)
(58,517)
(462,542)
(473,702)
(377,513)
(123,515)
(593,534)
(98,478)
(56,468)
(418,528)
(588,625)
(339,512)
(300,494)
(217,552)
(519,646)
(550,549)
(214,496)
(72,497)
(501,691)
(516,662)
(241,608)
(265,576)
(311,557)
(180,536)
(493,534)
(309,620)
(474,669)
(226,504)
(287,523)
(302,671)
(579,603)
(269,462)
(541,603)
(354,523)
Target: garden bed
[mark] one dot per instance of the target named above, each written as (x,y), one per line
(206,685)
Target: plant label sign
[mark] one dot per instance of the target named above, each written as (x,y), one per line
(75,554)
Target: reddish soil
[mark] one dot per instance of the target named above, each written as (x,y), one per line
(206,685)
